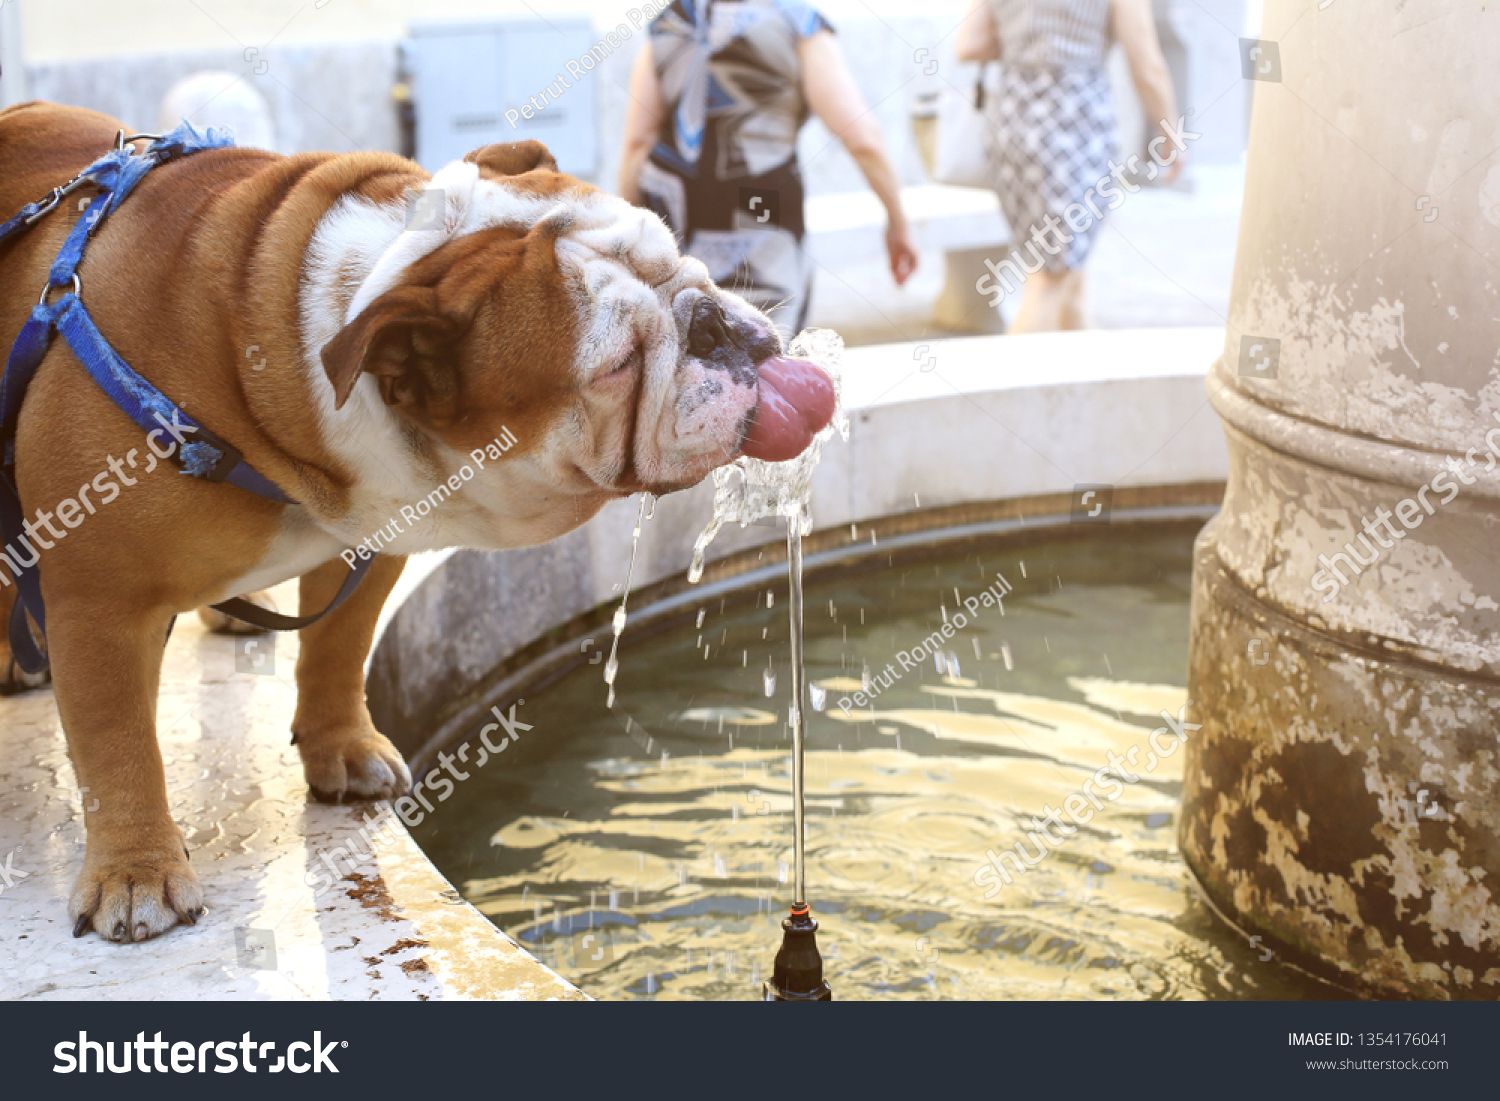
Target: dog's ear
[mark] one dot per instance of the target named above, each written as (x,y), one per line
(404,341)
(512,158)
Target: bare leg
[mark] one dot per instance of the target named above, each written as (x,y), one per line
(1075,313)
(1042,303)
(343,755)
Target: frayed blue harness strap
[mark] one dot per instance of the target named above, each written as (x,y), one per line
(198,451)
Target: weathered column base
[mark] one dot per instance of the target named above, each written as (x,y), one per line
(1342,802)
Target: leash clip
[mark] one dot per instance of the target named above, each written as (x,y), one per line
(58,194)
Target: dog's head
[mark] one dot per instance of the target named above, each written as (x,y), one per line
(538,305)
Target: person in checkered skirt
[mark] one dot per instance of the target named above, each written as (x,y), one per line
(1053,132)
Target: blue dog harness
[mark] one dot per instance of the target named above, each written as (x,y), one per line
(206,456)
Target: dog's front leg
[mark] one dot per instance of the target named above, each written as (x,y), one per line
(106,665)
(343,755)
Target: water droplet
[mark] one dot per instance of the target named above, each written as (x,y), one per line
(817,696)
(832,611)
(719,869)
(975,641)
(734,814)
(768,678)
(701,613)
(864,677)
(1005,653)
(614,898)
(650,983)
(781,871)
(770,599)
(952,661)
(1023,568)
(944,609)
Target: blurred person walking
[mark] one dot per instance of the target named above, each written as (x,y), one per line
(717,97)
(1053,125)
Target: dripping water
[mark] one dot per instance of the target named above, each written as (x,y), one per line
(612,666)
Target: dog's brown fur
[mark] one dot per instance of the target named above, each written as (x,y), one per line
(200,264)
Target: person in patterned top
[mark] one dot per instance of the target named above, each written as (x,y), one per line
(717,97)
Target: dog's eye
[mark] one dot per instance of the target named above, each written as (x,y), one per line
(625,366)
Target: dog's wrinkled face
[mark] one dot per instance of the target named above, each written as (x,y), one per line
(667,362)
(566,316)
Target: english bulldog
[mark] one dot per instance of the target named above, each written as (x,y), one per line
(359,331)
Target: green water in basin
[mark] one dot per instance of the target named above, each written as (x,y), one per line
(645,852)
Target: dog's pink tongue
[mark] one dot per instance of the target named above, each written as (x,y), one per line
(796,402)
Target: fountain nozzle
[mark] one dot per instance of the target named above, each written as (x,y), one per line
(797,975)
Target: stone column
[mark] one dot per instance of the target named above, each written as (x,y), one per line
(1342,798)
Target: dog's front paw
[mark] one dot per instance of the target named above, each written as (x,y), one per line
(354,763)
(135,894)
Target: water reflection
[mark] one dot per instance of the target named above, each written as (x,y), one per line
(1050,741)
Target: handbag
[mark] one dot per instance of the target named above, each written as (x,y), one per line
(964,138)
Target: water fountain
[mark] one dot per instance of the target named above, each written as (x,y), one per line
(676,808)
(747,491)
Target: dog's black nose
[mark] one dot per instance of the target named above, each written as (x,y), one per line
(707,332)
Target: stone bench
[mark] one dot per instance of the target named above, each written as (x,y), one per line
(964,223)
